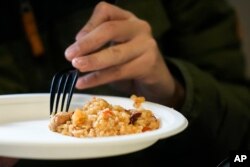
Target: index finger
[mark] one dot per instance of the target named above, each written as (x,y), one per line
(103,12)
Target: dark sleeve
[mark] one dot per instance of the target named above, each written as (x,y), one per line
(203,51)
(204,32)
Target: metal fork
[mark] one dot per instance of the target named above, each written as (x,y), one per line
(63,84)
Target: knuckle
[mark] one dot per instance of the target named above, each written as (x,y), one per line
(117,72)
(95,75)
(130,14)
(101,7)
(145,26)
(152,51)
(114,52)
(151,44)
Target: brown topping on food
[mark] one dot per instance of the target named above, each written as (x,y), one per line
(134,117)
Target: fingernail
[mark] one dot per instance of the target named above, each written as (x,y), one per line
(78,62)
(71,51)
(75,61)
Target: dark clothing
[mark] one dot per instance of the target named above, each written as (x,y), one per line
(201,46)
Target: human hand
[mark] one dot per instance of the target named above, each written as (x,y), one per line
(132,63)
(7,162)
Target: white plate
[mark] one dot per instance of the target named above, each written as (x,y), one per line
(24,131)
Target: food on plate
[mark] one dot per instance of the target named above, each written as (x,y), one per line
(99,118)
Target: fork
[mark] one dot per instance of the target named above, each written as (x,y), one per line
(63,84)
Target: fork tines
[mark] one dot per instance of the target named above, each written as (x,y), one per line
(63,84)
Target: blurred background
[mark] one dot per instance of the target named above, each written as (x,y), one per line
(243,9)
